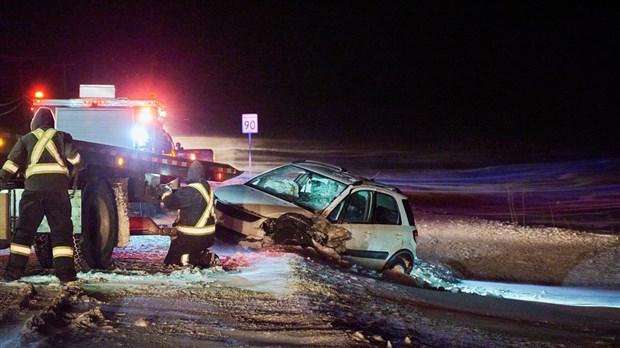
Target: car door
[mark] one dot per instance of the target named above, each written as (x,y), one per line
(355,216)
(375,223)
(390,234)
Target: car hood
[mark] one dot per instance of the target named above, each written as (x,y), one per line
(257,202)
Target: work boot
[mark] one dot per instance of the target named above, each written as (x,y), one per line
(204,259)
(6,277)
(64,268)
(16,267)
(66,277)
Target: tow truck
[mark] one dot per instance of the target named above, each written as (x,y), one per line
(127,154)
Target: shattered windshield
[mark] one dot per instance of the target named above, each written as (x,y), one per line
(299,186)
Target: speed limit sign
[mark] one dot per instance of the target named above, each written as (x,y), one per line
(249,123)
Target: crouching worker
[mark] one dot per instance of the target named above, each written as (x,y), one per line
(48,157)
(195,223)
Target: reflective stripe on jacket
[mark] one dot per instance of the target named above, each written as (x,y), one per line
(201,228)
(45,143)
(43,151)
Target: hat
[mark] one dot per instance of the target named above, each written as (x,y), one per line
(42,118)
(196,172)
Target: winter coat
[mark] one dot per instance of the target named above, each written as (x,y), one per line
(46,154)
(190,200)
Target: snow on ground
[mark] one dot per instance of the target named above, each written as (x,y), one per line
(579,268)
(455,253)
(279,298)
(491,250)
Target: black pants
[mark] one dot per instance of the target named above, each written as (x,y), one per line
(187,244)
(56,207)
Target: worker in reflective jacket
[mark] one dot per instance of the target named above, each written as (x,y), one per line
(196,221)
(48,156)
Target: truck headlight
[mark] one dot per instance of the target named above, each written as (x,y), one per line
(140,136)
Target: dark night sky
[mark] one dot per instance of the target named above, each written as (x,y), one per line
(543,72)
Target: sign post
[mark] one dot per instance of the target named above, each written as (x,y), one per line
(249,125)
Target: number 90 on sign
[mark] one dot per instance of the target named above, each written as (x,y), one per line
(249,123)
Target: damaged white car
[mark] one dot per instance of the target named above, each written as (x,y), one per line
(377,220)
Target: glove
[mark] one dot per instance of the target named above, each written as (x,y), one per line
(5,185)
(163,191)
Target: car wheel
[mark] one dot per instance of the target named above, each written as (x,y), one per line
(400,264)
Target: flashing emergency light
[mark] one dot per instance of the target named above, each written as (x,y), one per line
(120,161)
(38,94)
(145,116)
(93,103)
(1,142)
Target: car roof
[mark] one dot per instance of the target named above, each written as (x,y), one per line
(341,174)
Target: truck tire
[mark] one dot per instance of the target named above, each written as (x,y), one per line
(94,246)
(43,249)
(81,265)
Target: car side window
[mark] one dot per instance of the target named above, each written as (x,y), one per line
(409,212)
(358,207)
(385,211)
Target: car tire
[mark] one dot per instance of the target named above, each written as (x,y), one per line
(43,249)
(400,264)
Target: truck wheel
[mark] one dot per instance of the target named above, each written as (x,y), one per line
(43,249)
(94,246)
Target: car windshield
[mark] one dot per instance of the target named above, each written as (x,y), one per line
(307,189)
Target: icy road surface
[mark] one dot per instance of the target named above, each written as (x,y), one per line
(267,272)
(279,298)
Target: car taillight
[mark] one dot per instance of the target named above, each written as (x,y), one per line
(415,235)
